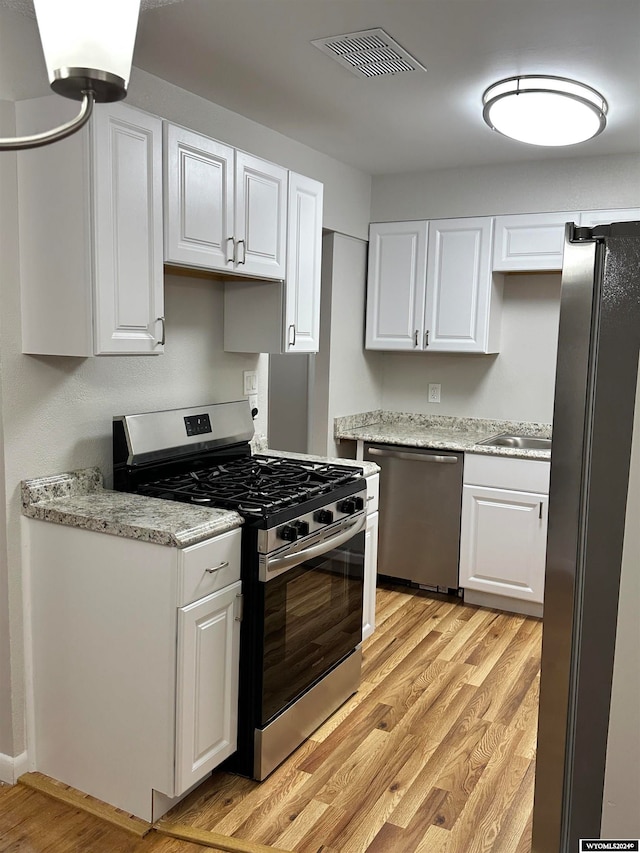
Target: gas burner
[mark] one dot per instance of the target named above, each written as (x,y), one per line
(252,485)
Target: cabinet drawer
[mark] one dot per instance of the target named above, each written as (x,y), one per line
(373,492)
(501,472)
(208,566)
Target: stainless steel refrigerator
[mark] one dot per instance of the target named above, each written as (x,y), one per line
(596,381)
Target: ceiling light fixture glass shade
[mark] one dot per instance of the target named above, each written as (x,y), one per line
(542,110)
(88,50)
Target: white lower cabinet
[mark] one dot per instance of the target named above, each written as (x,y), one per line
(504,532)
(370,558)
(135,662)
(207,684)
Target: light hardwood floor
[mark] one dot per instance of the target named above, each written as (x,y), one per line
(434,754)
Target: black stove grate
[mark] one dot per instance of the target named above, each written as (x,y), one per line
(253,485)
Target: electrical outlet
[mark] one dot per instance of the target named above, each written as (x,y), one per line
(434,392)
(253,401)
(249,382)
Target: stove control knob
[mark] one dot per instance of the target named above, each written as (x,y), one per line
(359,502)
(288,533)
(323,516)
(348,505)
(302,527)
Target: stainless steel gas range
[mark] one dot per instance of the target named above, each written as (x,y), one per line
(302,563)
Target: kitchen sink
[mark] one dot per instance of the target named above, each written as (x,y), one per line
(522,442)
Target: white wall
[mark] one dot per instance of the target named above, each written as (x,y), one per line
(620,816)
(289,401)
(518,383)
(347,377)
(583,183)
(56,412)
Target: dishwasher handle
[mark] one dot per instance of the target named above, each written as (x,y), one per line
(411,457)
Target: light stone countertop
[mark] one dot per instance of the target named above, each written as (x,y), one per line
(439,432)
(78,499)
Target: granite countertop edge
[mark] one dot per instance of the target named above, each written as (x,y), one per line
(78,499)
(440,432)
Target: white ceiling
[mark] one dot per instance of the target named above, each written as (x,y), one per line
(255,57)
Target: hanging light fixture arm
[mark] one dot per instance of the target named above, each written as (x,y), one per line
(20,143)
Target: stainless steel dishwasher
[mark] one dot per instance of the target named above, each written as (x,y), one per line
(420,504)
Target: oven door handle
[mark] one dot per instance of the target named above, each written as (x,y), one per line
(277,565)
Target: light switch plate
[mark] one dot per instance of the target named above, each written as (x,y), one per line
(434,392)
(250,382)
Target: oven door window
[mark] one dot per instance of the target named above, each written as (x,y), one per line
(312,620)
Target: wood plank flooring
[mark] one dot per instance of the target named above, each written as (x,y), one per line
(434,754)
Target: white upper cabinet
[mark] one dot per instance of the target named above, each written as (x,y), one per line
(459,287)
(430,287)
(591,218)
(260,217)
(91,279)
(199,194)
(224,210)
(531,241)
(304,256)
(279,317)
(396,285)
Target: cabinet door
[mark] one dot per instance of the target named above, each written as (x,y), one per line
(396,285)
(199,200)
(207,684)
(304,254)
(127,231)
(370,575)
(260,217)
(530,241)
(458,285)
(503,542)
(591,218)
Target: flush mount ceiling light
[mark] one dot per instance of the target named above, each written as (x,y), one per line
(544,110)
(88,49)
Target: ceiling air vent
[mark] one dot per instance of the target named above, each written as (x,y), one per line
(368,53)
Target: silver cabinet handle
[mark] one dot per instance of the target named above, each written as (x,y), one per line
(292,335)
(222,565)
(240,615)
(413,457)
(160,343)
(417,332)
(370,498)
(229,259)
(426,339)
(244,253)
